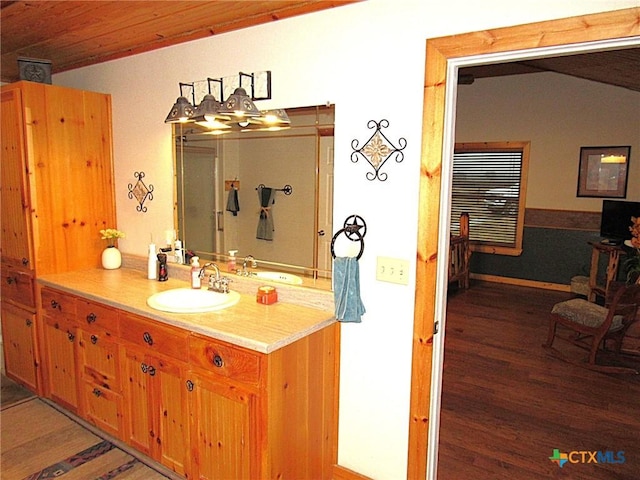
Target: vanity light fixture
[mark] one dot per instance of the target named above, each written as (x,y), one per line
(238,110)
(182,110)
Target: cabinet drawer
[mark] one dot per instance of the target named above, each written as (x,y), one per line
(17,286)
(99,358)
(153,336)
(58,308)
(224,359)
(95,317)
(102,407)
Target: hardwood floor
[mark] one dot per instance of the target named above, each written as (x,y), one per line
(39,442)
(507,403)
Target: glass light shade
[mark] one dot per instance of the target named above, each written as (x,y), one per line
(239,104)
(181,112)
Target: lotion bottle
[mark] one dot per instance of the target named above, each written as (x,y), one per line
(195,273)
(231,263)
(152,267)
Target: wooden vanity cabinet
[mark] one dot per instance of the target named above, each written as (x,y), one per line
(60,331)
(204,408)
(56,192)
(99,362)
(155,391)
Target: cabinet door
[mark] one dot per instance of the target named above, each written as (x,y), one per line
(18,333)
(137,393)
(157,420)
(15,205)
(70,138)
(222,437)
(61,364)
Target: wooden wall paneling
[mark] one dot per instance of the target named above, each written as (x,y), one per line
(562,219)
(586,28)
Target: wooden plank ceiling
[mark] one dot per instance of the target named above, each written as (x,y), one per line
(614,67)
(74,34)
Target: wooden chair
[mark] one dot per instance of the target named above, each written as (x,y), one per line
(594,325)
(459,254)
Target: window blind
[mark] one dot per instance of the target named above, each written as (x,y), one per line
(486,185)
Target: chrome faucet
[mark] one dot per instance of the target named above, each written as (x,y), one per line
(216,282)
(245,271)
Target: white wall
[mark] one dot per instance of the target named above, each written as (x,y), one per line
(558,114)
(368,59)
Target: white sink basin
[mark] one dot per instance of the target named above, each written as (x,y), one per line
(278,277)
(189,300)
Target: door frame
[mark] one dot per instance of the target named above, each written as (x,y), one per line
(443,57)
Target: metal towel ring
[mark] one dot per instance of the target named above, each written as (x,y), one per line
(351,230)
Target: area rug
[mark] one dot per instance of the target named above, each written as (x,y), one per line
(41,443)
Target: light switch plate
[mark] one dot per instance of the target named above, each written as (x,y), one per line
(393,270)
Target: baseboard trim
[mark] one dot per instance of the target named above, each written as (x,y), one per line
(343,473)
(521,282)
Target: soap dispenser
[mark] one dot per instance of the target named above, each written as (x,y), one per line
(231,263)
(195,273)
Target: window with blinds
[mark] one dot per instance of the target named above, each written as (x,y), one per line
(489,183)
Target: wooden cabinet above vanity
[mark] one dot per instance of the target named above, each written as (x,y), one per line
(246,392)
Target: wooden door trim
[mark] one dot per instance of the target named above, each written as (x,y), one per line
(581,29)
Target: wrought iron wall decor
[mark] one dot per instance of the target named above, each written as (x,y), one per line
(351,229)
(378,149)
(140,192)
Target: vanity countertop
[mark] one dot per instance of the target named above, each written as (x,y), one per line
(263,328)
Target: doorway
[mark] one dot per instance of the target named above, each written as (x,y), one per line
(444,56)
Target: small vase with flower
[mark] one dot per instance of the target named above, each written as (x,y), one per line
(111,256)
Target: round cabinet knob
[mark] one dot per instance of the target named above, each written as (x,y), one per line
(91,318)
(94,339)
(190,386)
(217,361)
(148,339)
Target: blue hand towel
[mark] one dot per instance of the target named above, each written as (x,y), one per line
(346,289)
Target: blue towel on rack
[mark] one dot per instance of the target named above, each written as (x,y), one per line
(346,289)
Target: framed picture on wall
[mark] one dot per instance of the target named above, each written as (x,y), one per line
(603,171)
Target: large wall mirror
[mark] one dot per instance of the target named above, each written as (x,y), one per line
(283,181)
